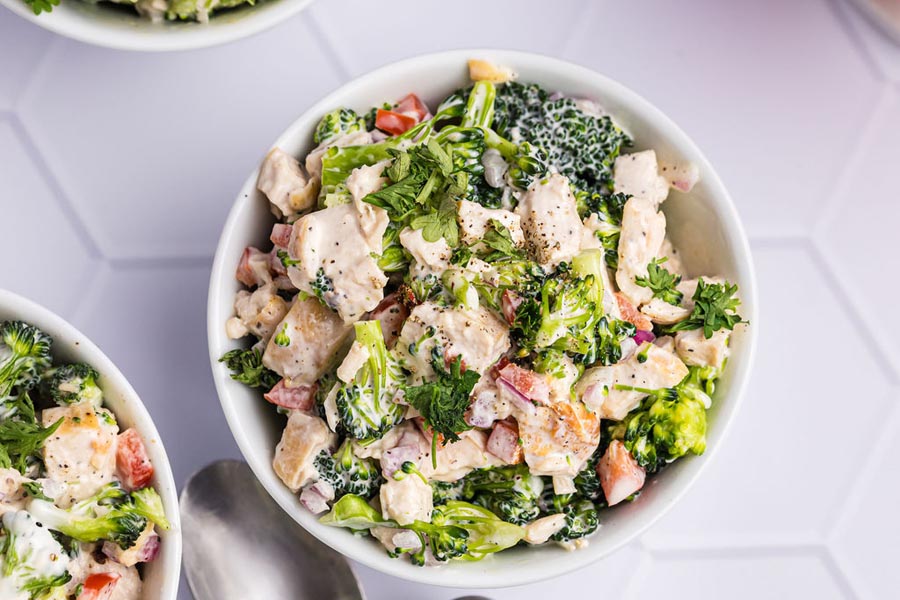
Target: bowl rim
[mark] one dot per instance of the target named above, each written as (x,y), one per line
(730,223)
(31,312)
(169,37)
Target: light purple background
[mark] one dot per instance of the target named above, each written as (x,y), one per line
(117,171)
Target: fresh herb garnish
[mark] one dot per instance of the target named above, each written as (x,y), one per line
(661,282)
(35,490)
(443,403)
(714,309)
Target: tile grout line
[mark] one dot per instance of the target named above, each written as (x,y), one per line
(838,573)
(340,62)
(842,16)
(845,175)
(82,232)
(823,259)
(867,474)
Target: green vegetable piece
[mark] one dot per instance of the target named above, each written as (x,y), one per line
(337,123)
(661,282)
(714,309)
(246,366)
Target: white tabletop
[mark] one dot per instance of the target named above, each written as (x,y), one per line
(117,171)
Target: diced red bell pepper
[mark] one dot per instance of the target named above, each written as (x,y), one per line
(99,586)
(132,461)
(393,122)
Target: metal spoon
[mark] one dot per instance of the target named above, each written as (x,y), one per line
(240,545)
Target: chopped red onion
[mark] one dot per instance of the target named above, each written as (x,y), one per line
(643,336)
(516,397)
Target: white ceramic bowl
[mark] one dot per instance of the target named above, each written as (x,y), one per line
(122,28)
(704,225)
(160,576)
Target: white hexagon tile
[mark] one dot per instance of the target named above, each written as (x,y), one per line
(131,161)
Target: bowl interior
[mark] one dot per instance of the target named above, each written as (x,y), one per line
(70,345)
(704,226)
(119,26)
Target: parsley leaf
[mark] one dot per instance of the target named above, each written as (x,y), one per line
(662,282)
(714,308)
(499,240)
(35,490)
(443,403)
(22,438)
(39,6)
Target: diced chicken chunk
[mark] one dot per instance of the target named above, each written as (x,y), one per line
(620,474)
(672,256)
(303,438)
(697,351)
(558,439)
(12,494)
(314,158)
(638,176)
(643,232)
(366,179)
(335,250)
(285,185)
(315,335)
(487,404)
(482,70)
(256,312)
(539,531)
(82,452)
(597,387)
(475,220)
(550,221)
(406,500)
(455,460)
(353,362)
(682,176)
(432,258)
(476,335)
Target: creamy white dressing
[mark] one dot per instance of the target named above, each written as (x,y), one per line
(41,556)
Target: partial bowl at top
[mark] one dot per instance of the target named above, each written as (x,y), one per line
(703,224)
(120,26)
(69,345)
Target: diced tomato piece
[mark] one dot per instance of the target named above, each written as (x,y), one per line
(301,397)
(510,302)
(632,314)
(504,442)
(528,383)
(281,235)
(620,474)
(412,106)
(99,586)
(393,122)
(391,313)
(132,461)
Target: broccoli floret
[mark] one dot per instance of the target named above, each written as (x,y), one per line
(668,425)
(24,355)
(444,491)
(111,514)
(347,473)
(246,366)
(337,123)
(71,384)
(365,405)
(608,208)
(323,289)
(581,521)
(567,314)
(512,493)
(580,146)
(607,346)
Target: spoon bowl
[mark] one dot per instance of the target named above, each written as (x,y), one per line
(239,544)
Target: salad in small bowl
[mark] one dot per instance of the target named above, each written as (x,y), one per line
(87,501)
(484,337)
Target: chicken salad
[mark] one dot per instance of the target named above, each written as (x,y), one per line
(475,322)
